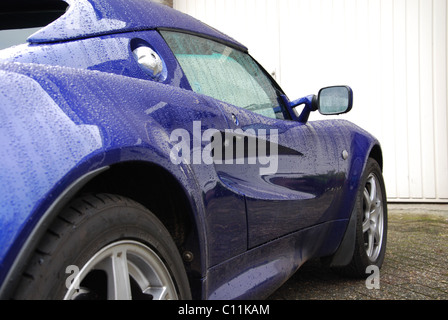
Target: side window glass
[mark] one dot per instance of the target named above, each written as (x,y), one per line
(224,73)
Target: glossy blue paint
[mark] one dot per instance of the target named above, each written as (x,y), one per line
(85,18)
(110,53)
(305,186)
(263,269)
(48,151)
(74,100)
(309,103)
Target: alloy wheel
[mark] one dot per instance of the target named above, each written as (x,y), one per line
(373,223)
(124,270)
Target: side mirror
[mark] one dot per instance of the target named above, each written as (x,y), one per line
(335,100)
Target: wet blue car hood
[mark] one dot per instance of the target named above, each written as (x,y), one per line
(88,18)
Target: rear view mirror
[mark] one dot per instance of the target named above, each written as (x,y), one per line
(335,100)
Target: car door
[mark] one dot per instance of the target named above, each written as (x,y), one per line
(295,186)
(287,171)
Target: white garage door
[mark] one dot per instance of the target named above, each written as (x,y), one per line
(393,53)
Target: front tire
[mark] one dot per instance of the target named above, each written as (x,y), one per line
(371,223)
(105,247)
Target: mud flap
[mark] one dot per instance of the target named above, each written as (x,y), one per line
(344,254)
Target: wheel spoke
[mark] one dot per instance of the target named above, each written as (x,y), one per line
(370,244)
(157,293)
(116,268)
(373,192)
(367,201)
(377,236)
(366,226)
(122,285)
(376,211)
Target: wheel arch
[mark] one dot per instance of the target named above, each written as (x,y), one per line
(149,184)
(158,190)
(377,154)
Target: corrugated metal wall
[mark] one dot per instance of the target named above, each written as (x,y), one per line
(392,52)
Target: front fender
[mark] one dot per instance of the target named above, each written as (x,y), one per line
(360,146)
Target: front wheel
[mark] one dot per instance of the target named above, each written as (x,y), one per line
(371,223)
(374,219)
(105,247)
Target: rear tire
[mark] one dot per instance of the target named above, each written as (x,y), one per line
(105,247)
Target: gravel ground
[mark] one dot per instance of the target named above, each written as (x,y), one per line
(415,267)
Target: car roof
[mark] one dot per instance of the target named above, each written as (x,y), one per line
(89,18)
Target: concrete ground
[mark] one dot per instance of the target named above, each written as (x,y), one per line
(415,267)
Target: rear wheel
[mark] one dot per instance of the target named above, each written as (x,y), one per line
(105,247)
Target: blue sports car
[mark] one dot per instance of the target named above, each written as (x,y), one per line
(146,155)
